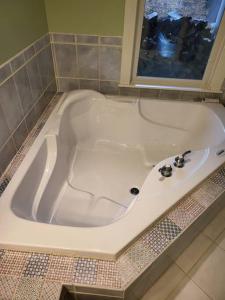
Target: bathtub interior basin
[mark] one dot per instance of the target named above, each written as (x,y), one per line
(94,150)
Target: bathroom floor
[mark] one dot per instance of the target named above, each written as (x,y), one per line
(199,272)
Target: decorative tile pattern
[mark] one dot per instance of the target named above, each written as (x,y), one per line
(212,188)
(219,178)
(51,290)
(13,166)
(8,285)
(108,274)
(207,192)
(127,270)
(155,240)
(168,228)
(4,181)
(185,212)
(2,252)
(61,268)
(140,256)
(12,263)
(85,271)
(37,265)
(203,197)
(28,289)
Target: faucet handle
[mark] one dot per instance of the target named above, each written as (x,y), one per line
(179,160)
(166,171)
(186,153)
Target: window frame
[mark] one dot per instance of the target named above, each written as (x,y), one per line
(214,73)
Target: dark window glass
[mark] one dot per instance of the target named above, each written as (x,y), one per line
(177,37)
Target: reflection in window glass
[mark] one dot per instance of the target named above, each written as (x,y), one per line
(177,37)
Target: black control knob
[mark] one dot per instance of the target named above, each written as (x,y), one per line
(166,171)
(179,161)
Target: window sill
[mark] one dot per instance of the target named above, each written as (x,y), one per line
(164,87)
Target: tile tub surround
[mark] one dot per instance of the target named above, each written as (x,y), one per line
(27,84)
(94,62)
(88,62)
(143,261)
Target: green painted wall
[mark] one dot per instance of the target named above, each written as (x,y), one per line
(21,23)
(103,17)
(24,21)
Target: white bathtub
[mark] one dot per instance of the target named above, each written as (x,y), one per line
(71,193)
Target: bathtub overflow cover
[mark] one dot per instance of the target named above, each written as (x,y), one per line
(134,191)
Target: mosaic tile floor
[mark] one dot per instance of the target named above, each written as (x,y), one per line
(26,275)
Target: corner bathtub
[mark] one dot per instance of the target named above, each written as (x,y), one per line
(71,194)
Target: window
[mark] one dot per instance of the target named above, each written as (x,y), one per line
(178,43)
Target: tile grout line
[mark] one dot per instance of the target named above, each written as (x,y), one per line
(199,287)
(55,65)
(186,275)
(29,136)
(203,253)
(86,78)
(215,241)
(86,44)
(99,66)
(25,116)
(177,284)
(22,51)
(23,65)
(17,91)
(77,60)
(6,120)
(84,34)
(31,96)
(195,264)
(189,279)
